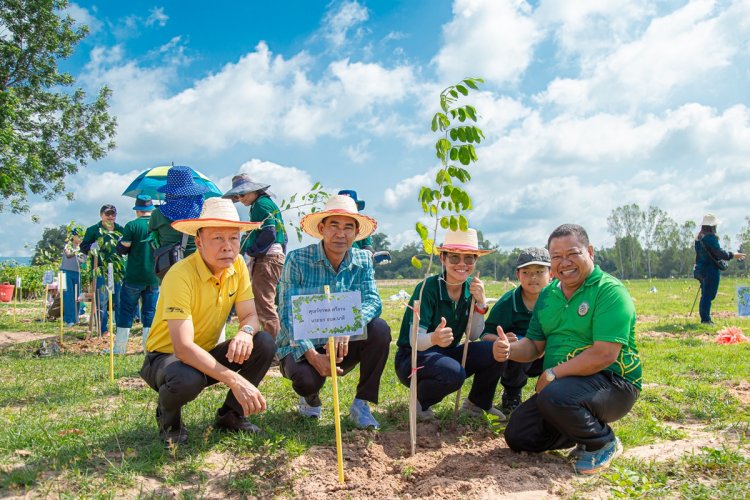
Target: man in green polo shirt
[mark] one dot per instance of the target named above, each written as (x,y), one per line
(584,325)
(140,281)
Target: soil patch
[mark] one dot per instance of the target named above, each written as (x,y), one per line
(11,338)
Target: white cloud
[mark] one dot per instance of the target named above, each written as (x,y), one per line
(83,16)
(358,153)
(157,16)
(492,39)
(338,23)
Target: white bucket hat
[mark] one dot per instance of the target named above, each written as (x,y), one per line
(710,220)
(339,205)
(462,242)
(217,212)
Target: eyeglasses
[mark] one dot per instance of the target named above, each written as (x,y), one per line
(455,258)
(110,213)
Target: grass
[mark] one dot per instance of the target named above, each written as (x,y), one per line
(66,430)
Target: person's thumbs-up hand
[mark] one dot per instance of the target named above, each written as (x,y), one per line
(443,335)
(501,347)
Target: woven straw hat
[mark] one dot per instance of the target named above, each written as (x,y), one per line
(217,212)
(339,205)
(462,242)
(710,220)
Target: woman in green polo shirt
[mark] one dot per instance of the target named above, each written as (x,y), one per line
(443,318)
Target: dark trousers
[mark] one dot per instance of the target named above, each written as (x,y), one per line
(178,383)
(515,376)
(440,372)
(129,296)
(371,354)
(709,288)
(570,411)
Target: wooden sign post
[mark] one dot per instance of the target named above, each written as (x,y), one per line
(110,289)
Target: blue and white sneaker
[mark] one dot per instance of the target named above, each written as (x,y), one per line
(359,413)
(591,462)
(306,410)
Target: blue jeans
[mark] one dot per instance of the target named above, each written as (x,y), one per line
(129,296)
(440,372)
(709,287)
(72,286)
(103,302)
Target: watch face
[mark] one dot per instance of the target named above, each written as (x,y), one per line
(549,375)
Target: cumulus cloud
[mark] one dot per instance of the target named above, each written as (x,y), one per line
(493,39)
(342,19)
(82,15)
(157,16)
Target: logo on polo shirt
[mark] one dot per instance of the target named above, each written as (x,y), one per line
(583,309)
(175,310)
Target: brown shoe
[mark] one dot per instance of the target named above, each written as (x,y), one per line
(232,422)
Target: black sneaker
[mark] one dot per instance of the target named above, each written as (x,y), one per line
(232,422)
(174,436)
(509,405)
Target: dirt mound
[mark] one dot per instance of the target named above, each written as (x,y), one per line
(448,465)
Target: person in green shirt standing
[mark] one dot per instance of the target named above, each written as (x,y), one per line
(584,325)
(140,281)
(102,238)
(264,248)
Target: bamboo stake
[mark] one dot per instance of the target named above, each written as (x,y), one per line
(335,390)
(111,332)
(467,333)
(413,381)
(62,310)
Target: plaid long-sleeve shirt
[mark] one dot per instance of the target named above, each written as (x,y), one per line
(306,271)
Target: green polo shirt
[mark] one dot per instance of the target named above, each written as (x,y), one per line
(509,312)
(361,244)
(265,210)
(601,309)
(139,269)
(166,234)
(107,242)
(436,304)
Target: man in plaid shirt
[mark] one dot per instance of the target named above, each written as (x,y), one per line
(335,263)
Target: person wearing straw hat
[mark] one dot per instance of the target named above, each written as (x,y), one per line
(103,237)
(708,254)
(183,353)
(265,248)
(334,262)
(444,313)
(183,200)
(584,325)
(140,282)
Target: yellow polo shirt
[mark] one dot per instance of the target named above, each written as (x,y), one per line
(191,291)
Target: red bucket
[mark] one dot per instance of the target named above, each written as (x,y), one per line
(6,292)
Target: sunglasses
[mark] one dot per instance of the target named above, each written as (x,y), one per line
(110,212)
(455,258)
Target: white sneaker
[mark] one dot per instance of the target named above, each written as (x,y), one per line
(424,415)
(471,409)
(306,410)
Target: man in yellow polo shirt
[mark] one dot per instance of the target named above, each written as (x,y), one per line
(183,355)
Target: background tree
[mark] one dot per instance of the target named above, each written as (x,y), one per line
(627,220)
(48,250)
(380,242)
(47,129)
(652,221)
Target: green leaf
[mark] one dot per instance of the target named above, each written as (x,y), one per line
(472,152)
(433,210)
(421,230)
(462,89)
(471,111)
(428,245)
(453,134)
(442,205)
(464,156)
(440,176)
(315,186)
(444,122)
(470,82)
(453,93)
(461,114)
(461,134)
(454,223)
(447,190)
(434,123)
(444,222)
(415,262)
(454,154)
(463,224)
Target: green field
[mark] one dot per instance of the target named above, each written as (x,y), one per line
(65,430)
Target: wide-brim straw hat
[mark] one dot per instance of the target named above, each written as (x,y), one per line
(339,205)
(217,212)
(242,184)
(462,242)
(710,220)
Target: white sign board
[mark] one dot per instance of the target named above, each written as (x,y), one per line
(743,300)
(48,278)
(321,316)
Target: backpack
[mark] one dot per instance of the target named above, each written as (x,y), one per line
(167,256)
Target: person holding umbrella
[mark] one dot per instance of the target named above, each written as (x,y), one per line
(184,200)
(265,248)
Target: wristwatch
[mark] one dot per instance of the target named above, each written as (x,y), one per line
(549,375)
(248,329)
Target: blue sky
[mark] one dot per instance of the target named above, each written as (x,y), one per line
(586,106)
